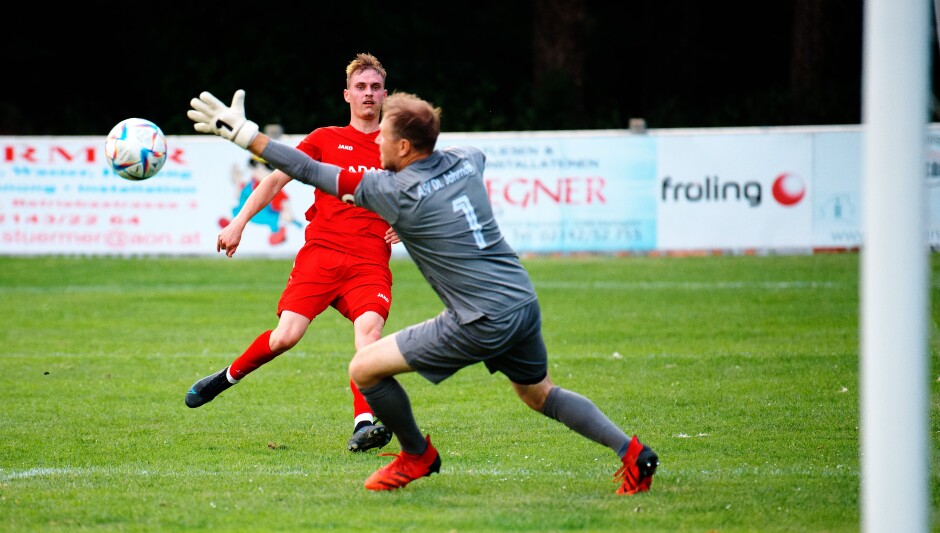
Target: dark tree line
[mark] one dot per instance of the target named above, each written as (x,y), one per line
(491,65)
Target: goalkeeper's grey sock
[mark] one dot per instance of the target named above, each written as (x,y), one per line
(390,404)
(581,415)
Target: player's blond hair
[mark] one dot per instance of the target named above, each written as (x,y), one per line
(413,119)
(364,62)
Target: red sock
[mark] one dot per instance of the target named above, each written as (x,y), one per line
(360,405)
(256,355)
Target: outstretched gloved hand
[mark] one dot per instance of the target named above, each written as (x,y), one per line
(212,116)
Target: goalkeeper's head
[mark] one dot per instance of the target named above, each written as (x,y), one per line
(408,117)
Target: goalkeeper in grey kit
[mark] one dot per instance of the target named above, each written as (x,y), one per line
(436,200)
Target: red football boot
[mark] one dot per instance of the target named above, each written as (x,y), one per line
(405,468)
(639,465)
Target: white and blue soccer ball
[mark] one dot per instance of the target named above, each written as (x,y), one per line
(136,149)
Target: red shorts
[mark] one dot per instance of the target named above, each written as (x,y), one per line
(322,277)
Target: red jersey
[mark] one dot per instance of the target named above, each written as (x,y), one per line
(332,222)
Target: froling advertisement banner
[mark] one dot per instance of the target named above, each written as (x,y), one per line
(736,191)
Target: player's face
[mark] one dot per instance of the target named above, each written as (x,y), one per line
(388,148)
(365,94)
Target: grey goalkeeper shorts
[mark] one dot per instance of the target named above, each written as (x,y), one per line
(511,343)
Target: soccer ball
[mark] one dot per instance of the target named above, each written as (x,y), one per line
(136,149)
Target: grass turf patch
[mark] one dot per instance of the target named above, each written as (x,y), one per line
(740,371)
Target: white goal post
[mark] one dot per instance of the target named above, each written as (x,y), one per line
(894,289)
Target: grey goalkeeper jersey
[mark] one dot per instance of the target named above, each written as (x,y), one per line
(440,209)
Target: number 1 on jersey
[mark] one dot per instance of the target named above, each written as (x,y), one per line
(462,203)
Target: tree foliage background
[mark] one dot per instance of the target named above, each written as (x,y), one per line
(491,65)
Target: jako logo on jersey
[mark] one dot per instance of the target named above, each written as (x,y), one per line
(788,189)
(382,296)
(344,147)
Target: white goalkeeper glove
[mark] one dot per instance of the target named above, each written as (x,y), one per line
(212,116)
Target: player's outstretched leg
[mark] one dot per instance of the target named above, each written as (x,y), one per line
(639,465)
(405,468)
(207,388)
(369,436)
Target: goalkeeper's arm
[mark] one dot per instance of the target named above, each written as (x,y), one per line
(297,164)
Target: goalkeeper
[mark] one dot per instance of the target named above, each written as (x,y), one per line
(437,203)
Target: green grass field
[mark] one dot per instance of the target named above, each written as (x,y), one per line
(742,372)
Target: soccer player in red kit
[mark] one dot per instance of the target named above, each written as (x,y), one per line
(344,261)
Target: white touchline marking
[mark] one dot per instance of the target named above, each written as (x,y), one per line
(691,285)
